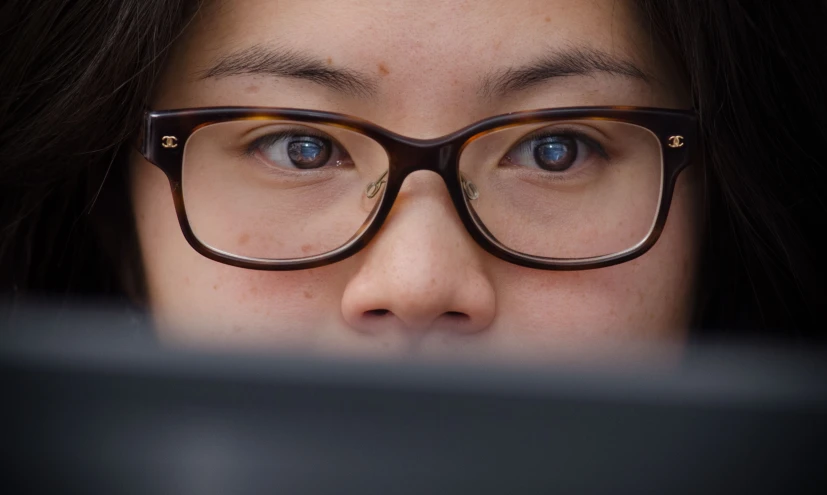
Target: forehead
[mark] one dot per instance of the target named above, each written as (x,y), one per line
(419,23)
(436,54)
(468,33)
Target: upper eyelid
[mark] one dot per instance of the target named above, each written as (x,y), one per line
(282,134)
(569,127)
(288,128)
(574,127)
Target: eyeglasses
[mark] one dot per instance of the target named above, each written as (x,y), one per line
(285,189)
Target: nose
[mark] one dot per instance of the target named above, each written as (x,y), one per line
(422,272)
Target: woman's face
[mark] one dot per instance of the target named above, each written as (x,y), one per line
(421,285)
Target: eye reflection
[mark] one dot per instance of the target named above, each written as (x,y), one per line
(308,152)
(556,154)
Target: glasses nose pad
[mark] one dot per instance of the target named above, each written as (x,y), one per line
(468,187)
(373,188)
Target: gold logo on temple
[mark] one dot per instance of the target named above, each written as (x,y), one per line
(676,142)
(169,142)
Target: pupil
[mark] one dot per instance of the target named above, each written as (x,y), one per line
(307,154)
(557,155)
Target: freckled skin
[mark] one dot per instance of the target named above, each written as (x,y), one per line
(422,284)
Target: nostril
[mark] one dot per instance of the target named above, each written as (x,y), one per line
(375,321)
(455,316)
(377,312)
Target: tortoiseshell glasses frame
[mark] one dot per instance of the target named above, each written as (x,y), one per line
(165,134)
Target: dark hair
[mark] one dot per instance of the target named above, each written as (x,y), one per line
(757,73)
(75,77)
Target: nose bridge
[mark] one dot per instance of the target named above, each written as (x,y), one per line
(413,155)
(421,271)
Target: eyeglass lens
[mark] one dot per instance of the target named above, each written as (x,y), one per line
(282,190)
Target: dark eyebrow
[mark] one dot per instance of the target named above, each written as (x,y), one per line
(281,62)
(574,61)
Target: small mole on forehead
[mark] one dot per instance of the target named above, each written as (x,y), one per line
(383,69)
(548,18)
(329,60)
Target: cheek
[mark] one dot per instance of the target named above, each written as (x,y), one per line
(196,299)
(651,297)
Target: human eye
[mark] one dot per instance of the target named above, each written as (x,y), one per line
(557,151)
(298,148)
